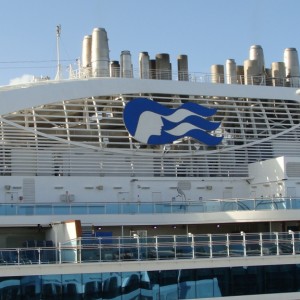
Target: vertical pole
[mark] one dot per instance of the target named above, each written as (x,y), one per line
(58,32)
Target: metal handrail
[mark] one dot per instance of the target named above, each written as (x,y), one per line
(201,77)
(200,206)
(114,249)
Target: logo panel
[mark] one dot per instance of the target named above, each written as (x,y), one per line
(154,124)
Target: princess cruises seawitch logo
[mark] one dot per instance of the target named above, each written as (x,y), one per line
(152,123)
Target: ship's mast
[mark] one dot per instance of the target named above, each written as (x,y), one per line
(58,73)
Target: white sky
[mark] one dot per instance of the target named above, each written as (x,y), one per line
(208,31)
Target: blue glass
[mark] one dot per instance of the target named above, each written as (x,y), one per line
(31,287)
(61,209)
(183,247)
(201,248)
(146,208)
(295,203)
(71,287)
(112,285)
(279,203)
(264,204)
(129,208)
(213,206)
(131,285)
(164,284)
(43,209)
(186,284)
(51,287)
(96,209)
(9,209)
(112,208)
(78,209)
(246,204)
(219,247)
(196,207)
(25,210)
(162,208)
(228,205)
(165,247)
(92,286)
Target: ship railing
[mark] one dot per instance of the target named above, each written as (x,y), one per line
(140,207)
(201,77)
(164,247)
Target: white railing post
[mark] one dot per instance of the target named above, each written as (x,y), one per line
(227,244)
(210,246)
(59,252)
(293,241)
(277,243)
(261,244)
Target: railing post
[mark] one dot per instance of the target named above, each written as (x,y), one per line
(210,245)
(156,247)
(18,255)
(227,244)
(193,246)
(293,240)
(174,245)
(100,249)
(59,252)
(244,242)
(138,247)
(261,244)
(39,252)
(277,243)
(119,246)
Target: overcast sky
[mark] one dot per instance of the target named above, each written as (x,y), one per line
(208,31)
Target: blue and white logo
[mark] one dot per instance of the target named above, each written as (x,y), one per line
(152,123)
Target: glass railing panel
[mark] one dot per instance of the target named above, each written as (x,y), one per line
(202,246)
(196,207)
(78,209)
(294,203)
(246,204)
(219,245)
(129,208)
(129,248)
(24,210)
(179,207)
(297,242)
(89,249)
(9,257)
(285,243)
(183,246)
(236,244)
(229,205)
(253,247)
(269,244)
(61,209)
(43,209)
(113,208)
(279,203)
(148,247)
(213,206)
(146,208)
(9,210)
(165,247)
(264,204)
(162,208)
(96,209)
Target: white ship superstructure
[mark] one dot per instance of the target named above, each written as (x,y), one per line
(93,209)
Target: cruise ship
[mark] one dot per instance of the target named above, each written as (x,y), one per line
(152,183)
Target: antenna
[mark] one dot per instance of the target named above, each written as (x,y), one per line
(58,73)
